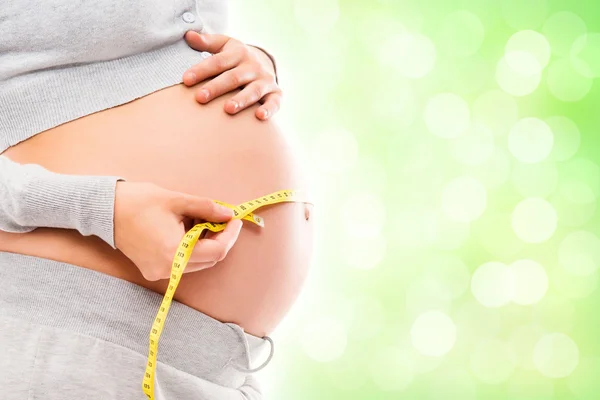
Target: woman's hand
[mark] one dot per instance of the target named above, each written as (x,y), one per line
(150,222)
(234,65)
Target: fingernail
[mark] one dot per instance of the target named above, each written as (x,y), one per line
(204,93)
(265,114)
(235,105)
(190,76)
(225,211)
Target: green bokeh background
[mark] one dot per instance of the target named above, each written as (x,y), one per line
(447,141)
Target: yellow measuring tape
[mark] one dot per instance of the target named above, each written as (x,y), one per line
(182,256)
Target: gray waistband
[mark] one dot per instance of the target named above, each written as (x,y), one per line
(65,296)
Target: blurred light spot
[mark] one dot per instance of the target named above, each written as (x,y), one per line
(523,340)
(450,272)
(474,322)
(316,16)
(391,369)
(554,313)
(461,33)
(334,151)
(535,180)
(495,171)
(556,355)
(579,253)
(411,54)
(573,286)
(465,75)
(433,333)
(464,199)
(534,220)
(582,170)
(528,386)
(495,233)
(364,252)
(493,284)
(583,382)
(376,26)
(453,384)
(531,281)
(324,339)
(474,146)
(566,138)
(364,316)
(398,106)
(520,14)
(496,110)
(530,44)
(422,363)
(447,115)
(561,30)
(363,215)
(514,82)
(565,83)
(569,204)
(585,55)
(530,140)
(449,234)
(413,228)
(493,361)
(424,295)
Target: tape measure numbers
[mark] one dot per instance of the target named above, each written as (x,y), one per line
(184,251)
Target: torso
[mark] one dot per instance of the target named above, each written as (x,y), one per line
(169,139)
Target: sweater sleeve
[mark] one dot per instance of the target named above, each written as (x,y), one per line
(32,197)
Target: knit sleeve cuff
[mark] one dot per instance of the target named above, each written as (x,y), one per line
(84,203)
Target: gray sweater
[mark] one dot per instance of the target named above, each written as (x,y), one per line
(61,60)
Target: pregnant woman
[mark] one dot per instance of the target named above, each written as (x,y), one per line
(107,160)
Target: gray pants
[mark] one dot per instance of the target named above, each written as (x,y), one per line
(71,333)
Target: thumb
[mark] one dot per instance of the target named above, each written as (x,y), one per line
(201,208)
(211,43)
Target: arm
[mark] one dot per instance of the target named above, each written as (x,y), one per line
(32,197)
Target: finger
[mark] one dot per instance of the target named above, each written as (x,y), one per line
(214,250)
(193,267)
(201,208)
(272,103)
(212,43)
(212,66)
(250,95)
(225,83)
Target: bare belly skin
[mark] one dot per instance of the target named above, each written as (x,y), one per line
(169,139)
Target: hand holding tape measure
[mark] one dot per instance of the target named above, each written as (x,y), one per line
(244,211)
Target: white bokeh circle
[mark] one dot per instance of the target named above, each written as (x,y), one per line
(523,340)
(493,284)
(464,199)
(556,355)
(493,361)
(433,333)
(579,253)
(514,81)
(474,146)
(565,83)
(585,55)
(534,220)
(391,369)
(461,33)
(527,52)
(447,115)
(561,29)
(566,137)
(530,140)
(413,55)
(531,281)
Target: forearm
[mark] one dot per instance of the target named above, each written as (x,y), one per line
(32,197)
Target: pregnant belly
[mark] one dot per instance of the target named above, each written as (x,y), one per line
(168,139)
